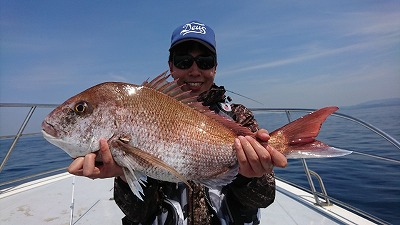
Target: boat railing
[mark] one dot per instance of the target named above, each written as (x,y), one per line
(309,173)
(20,133)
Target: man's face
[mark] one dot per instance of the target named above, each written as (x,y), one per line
(193,78)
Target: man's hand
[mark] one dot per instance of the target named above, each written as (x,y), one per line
(86,166)
(254,159)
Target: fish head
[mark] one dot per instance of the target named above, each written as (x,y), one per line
(77,125)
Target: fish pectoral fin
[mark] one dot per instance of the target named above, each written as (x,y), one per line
(150,160)
(134,180)
(221,180)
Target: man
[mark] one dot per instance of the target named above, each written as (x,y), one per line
(193,61)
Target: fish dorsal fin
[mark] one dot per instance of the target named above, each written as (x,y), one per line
(171,89)
(174,90)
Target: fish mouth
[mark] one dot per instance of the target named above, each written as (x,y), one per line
(49,130)
(48,136)
(59,143)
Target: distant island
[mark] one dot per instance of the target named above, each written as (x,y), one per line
(376,103)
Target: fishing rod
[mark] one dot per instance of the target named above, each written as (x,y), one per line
(229,99)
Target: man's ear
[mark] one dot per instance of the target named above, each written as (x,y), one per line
(171,69)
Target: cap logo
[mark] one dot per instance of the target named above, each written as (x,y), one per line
(193,27)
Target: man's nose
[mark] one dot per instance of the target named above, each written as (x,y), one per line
(194,70)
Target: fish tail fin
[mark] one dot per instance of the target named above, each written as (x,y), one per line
(298,137)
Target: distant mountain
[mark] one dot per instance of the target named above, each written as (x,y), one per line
(377,103)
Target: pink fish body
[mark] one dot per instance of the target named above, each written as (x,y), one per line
(157,130)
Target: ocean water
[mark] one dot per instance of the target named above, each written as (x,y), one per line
(369,184)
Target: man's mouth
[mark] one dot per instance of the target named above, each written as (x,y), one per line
(194,84)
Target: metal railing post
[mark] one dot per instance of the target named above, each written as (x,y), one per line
(309,178)
(323,189)
(21,129)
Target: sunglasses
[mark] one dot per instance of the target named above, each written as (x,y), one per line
(186,61)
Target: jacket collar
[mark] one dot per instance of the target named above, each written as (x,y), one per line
(214,95)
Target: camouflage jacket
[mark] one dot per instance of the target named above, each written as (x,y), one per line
(241,199)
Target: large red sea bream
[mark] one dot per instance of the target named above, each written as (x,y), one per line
(157,130)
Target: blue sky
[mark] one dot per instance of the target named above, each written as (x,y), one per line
(281,53)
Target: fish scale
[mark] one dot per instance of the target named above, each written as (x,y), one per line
(176,136)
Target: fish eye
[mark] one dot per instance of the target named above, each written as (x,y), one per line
(81,107)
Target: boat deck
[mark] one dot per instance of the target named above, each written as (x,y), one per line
(48,201)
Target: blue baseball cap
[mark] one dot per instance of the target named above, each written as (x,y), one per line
(194,31)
